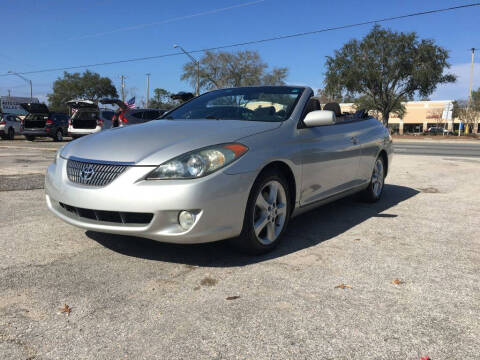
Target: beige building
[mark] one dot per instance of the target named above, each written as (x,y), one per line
(419,116)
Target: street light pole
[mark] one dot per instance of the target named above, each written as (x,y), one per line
(148,88)
(471,77)
(197,63)
(25,79)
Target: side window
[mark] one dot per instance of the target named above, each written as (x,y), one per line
(137,115)
(150,115)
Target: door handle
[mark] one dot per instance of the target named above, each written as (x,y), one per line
(354,140)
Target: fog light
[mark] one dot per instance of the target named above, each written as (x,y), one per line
(186,219)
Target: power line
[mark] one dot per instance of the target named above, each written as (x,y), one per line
(167,21)
(275,38)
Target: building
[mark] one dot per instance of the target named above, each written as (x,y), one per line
(419,116)
(11,104)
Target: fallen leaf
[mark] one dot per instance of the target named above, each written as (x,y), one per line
(398,282)
(343,286)
(196,288)
(356,239)
(208,281)
(66,309)
(233,297)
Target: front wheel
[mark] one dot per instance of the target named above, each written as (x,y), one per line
(374,190)
(266,216)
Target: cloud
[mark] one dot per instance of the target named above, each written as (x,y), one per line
(459,89)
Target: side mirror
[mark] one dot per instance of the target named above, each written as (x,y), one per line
(319,118)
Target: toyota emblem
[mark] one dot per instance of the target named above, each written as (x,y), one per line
(87,172)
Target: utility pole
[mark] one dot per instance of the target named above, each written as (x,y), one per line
(148,88)
(197,63)
(23,78)
(123,87)
(471,77)
(9,93)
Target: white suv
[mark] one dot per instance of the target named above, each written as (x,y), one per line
(87,118)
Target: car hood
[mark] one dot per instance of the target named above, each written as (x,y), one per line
(155,142)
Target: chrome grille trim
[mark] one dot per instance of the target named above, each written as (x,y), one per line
(103,174)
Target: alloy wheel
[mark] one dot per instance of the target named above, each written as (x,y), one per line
(377,178)
(270,212)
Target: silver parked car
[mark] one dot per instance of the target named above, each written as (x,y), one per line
(232,163)
(10,125)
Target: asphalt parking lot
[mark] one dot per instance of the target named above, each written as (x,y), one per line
(409,263)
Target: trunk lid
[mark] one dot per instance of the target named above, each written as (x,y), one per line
(35,108)
(82,104)
(117,102)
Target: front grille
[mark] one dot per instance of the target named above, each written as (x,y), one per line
(109,216)
(93,174)
(84,124)
(34,124)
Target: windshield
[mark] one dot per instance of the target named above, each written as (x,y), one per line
(267,103)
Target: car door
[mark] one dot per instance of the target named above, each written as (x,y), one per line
(330,160)
(17,122)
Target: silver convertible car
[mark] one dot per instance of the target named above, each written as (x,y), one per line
(230,164)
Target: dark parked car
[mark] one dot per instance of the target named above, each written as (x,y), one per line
(125,116)
(41,122)
(438,131)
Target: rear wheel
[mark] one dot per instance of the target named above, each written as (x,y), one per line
(30,137)
(11,134)
(375,189)
(58,135)
(266,215)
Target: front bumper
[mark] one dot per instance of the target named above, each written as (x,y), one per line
(219,200)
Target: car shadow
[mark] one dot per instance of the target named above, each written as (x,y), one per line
(304,231)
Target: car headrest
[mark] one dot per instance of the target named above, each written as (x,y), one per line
(265,111)
(313,105)
(335,107)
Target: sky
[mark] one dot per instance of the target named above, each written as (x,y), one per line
(45,34)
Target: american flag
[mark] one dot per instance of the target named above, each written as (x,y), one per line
(131,103)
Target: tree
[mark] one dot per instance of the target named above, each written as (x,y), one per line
(467,113)
(387,68)
(224,69)
(73,86)
(161,100)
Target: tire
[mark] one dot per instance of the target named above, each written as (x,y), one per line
(11,134)
(30,137)
(275,213)
(58,135)
(374,191)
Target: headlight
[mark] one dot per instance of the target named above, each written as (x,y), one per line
(199,163)
(57,155)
